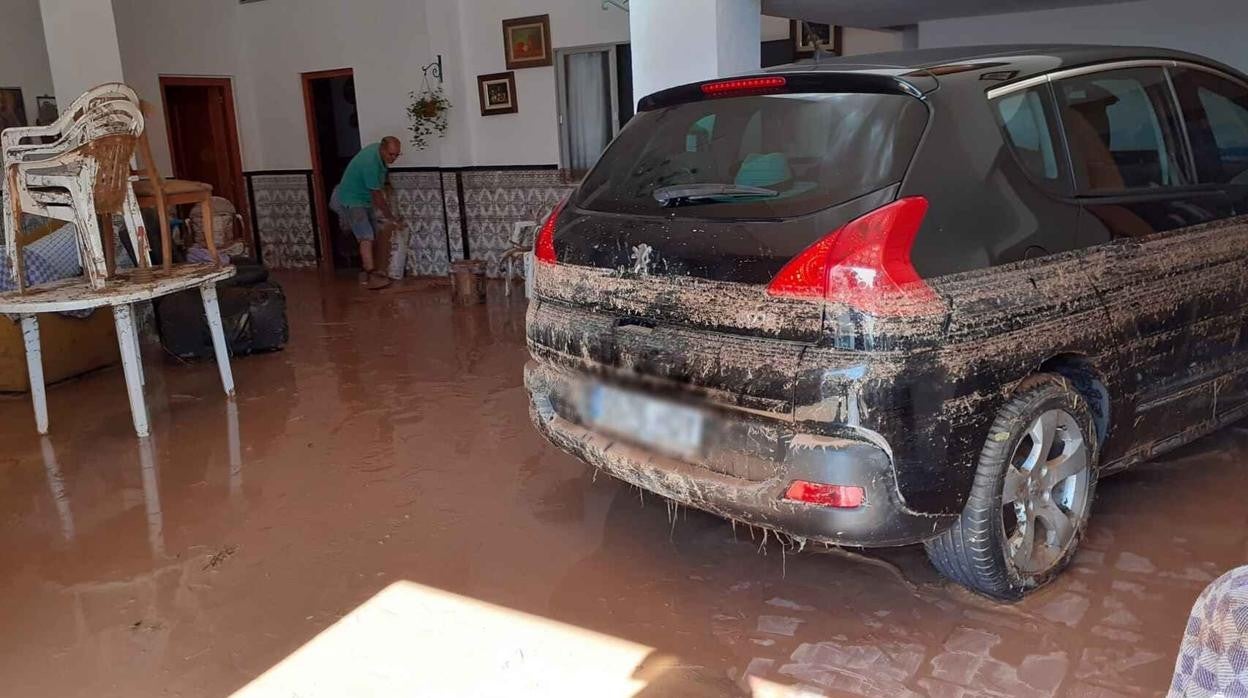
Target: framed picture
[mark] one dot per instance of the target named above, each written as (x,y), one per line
(12,108)
(46,111)
(823,37)
(526,42)
(498,93)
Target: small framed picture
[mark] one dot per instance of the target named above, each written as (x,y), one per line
(46,110)
(498,93)
(526,42)
(810,36)
(12,108)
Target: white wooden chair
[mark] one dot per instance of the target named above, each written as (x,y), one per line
(84,176)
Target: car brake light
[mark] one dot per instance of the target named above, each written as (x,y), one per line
(544,245)
(724,87)
(819,494)
(864,264)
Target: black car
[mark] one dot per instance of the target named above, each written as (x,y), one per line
(928,299)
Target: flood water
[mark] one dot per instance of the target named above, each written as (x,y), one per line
(387,453)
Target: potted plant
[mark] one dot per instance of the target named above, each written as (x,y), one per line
(427,113)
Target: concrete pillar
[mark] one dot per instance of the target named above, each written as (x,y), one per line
(675,42)
(83,50)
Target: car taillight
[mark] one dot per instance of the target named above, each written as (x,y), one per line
(864,264)
(819,494)
(544,245)
(727,87)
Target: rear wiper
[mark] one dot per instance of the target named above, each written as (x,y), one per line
(678,193)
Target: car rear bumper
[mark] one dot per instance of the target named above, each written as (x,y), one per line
(752,489)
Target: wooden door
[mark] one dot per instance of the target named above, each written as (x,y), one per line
(203,138)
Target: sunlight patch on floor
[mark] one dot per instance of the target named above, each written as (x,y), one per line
(411,639)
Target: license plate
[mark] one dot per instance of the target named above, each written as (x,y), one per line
(668,427)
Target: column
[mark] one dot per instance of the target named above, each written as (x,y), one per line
(83,50)
(690,40)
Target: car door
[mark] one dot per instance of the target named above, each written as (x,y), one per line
(1214,107)
(1142,204)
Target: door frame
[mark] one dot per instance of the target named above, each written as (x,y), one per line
(241,199)
(319,207)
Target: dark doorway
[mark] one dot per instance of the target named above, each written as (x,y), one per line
(334,138)
(203,138)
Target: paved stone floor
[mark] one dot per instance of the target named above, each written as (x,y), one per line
(375,516)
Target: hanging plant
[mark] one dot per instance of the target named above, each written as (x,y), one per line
(427,114)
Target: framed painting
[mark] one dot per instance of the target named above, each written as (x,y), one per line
(808,37)
(498,93)
(46,111)
(12,108)
(526,42)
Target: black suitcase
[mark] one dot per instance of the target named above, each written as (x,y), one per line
(253,314)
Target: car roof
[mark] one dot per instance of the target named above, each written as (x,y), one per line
(1020,61)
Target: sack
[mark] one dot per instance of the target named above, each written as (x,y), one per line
(253,316)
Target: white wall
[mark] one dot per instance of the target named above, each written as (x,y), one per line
(81,43)
(23,55)
(855,41)
(531,136)
(1214,28)
(196,37)
(384,41)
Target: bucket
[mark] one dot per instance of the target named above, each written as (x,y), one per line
(468,282)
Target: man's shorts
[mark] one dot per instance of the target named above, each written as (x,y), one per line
(359,220)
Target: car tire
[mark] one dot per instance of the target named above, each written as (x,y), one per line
(1024,493)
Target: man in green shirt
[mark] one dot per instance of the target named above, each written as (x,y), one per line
(359,194)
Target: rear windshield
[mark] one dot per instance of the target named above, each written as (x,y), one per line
(756,157)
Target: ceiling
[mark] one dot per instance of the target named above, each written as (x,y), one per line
(891,13)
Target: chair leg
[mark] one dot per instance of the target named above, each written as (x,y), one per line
(13,235)
(213,313)
(507,278)
(109,239)
(34,367)
(138,231)
(210,235)
(130,363)
(90,247)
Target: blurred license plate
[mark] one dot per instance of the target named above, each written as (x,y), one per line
(666,426)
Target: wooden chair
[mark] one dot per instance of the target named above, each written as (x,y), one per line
(157,192)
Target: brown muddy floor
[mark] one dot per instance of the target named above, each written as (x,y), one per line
(387,456)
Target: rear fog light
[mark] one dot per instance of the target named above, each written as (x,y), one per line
(819,494)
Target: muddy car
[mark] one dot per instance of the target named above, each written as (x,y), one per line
(931,299)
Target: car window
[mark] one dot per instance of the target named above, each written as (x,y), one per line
(1122,130)
(1216,113)
(1026,123)
(770,156)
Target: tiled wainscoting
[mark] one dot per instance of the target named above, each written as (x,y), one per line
(281,204)
(444,228)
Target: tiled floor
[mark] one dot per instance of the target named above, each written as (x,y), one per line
(375,516)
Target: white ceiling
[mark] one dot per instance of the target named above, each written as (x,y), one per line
(890,13)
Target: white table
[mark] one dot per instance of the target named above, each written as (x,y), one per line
(129,287)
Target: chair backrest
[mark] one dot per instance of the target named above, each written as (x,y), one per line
(15,137)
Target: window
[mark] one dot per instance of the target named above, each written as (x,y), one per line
(1122,130)
(806,151)
(1216,113)
(1026,122)
(594,98)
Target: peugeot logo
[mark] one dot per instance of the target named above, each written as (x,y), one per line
(641,259)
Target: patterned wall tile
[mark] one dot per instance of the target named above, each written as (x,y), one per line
(418,199)
(284,220)
(496,199)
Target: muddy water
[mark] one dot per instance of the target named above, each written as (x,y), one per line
(391,443)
